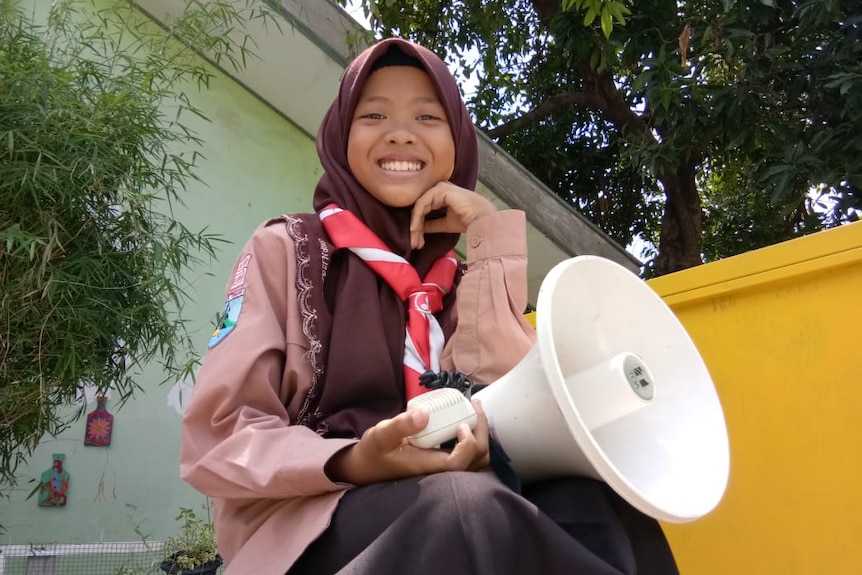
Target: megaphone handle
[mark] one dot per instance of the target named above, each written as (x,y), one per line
(447,409)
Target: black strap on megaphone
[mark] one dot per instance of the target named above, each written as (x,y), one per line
(499,460)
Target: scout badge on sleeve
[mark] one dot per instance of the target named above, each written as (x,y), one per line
(233,305)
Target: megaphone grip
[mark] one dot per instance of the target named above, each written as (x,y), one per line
(447,409)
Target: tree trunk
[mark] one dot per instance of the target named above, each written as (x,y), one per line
(682,223)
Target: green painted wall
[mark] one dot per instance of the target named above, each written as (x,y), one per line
(256,165)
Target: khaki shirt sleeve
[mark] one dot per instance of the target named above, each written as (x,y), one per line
(238,440)
(492,334)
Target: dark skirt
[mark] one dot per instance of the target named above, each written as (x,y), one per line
(469,523)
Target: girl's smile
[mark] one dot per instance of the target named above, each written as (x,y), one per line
(400,166)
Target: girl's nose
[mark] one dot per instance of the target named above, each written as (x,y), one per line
(399,134)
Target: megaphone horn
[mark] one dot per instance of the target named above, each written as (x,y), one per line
(613,389)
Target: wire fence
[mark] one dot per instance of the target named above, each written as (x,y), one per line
(118,558)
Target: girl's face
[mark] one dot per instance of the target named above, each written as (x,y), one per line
(400,144)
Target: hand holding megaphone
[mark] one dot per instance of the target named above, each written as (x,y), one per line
(384,453)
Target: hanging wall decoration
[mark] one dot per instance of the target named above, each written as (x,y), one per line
(54,484)
(100,425)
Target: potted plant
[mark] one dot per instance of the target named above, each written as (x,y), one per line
(193,550)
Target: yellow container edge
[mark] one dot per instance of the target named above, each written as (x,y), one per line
(810,254)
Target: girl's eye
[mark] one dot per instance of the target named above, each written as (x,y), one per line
(428,117)
(373,116)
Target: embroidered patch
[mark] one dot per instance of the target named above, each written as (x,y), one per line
(235,296)
(227,320)
(239,275)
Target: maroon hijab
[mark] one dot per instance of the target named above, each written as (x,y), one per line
(363,320)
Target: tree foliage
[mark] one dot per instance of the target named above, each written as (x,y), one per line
(95,154)
(708,128)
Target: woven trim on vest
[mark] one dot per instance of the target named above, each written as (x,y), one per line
(309,415)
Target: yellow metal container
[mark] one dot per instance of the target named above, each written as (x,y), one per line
(779,331)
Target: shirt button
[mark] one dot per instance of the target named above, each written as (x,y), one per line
(474,242)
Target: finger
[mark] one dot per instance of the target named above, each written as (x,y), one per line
(481,430)
(472,448)
(440,226)
(466,450)
(482,433)
(417,239)
(417,232)
(390,434)
(417,223)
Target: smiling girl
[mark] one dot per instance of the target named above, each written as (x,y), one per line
(297,426)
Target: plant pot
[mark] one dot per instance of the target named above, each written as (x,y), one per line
(171,568)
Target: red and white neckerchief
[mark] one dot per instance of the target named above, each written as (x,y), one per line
(424,337)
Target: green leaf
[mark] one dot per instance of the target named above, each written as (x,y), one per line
(619,12)
(374,9)
(607,23)
(665,98)
(640,81)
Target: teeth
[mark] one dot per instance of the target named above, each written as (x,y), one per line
(398,166)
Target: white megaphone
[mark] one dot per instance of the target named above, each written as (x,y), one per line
(613,389)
